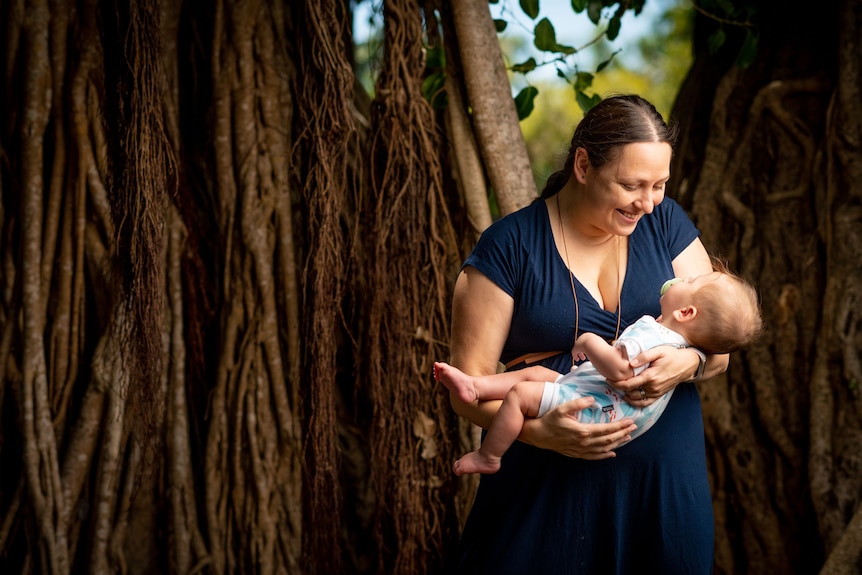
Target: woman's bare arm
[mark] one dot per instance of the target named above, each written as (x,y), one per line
(481,318)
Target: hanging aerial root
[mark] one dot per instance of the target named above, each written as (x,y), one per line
(142,175)
(325,103)
(409,453)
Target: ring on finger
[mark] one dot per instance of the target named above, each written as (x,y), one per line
(643,393)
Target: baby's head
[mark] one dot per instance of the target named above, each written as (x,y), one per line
(716,312)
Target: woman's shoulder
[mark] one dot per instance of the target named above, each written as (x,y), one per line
(528,216)
(669,210)
(504,249)
(669,220)
(520,224)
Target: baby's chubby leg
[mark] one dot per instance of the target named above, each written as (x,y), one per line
(521,401)
(468,388)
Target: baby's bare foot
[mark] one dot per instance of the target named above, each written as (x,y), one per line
(475,462)
(456,381)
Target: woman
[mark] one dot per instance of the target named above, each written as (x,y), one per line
(589,256)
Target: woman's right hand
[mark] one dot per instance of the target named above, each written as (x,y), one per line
(560,431)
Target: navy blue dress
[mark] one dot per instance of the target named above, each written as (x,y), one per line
(648,510)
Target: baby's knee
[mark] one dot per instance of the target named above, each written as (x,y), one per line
(526,394)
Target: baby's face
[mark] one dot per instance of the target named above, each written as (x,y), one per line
(679,294)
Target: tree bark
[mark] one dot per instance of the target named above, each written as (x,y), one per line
(769,167)
(494,116)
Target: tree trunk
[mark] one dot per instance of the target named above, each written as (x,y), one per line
(494,116)
(768,169)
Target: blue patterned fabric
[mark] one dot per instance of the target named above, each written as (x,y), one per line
(610,405)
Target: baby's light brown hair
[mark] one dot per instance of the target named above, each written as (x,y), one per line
(728,314)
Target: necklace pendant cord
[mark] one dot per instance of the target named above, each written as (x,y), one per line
(572,279)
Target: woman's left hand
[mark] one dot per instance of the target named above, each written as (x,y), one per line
(668,367)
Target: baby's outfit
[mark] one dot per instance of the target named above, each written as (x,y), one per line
(584,380)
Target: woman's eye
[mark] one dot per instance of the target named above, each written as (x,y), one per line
(629,188)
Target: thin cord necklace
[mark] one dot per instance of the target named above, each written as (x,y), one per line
(572,277)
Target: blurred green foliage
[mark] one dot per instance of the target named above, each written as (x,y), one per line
(553,82)
(652,65)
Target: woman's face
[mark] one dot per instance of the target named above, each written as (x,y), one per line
(620,192)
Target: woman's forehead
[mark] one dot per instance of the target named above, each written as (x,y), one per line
(652,158)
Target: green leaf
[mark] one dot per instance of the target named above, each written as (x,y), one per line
(500,25)
(530,8)
(524,101)
(565,49)
(435,58)
(525,67)
(583,80)
(716,40)
(432,90)
(579,5)
(594,10)
(604,64)
(614,27)
(545,36)
(749,50)
(586,102)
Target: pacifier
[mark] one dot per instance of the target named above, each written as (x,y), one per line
(666,285)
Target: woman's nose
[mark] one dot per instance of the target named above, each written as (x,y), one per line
(646,202)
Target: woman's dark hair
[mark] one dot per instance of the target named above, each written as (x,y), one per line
(610,124)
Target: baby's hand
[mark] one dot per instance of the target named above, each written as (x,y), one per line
(579,355)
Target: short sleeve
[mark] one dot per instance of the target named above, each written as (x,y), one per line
(503,249)
(630,341)
(494,256)
(677,228)
(633,349)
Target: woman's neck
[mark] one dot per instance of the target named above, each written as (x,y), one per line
(575,217)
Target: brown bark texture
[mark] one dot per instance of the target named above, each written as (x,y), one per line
(768,167)
(224,281)
(226,271)
(495,119)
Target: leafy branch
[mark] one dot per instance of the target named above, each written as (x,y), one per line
(545,40)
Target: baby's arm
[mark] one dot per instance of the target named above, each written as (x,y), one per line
(612,362)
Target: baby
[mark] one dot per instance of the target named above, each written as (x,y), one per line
(715,313)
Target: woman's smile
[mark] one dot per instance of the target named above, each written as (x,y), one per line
(632,217)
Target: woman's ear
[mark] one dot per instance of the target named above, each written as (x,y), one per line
(684,314)
(581,164)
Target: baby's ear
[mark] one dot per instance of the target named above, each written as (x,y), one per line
(684,314)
